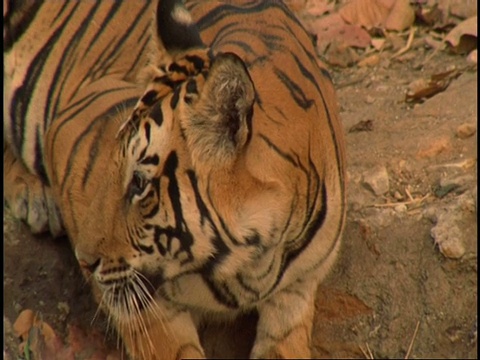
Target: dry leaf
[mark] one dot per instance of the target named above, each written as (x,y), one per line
(378,43)
(44,344)
(319,7)
(24,322)
(340,55)
(332,27)
(363,125)
(401,16)
(389,14)
(460,8)
(369,61)
(430,16)
(422,89)
(463,37)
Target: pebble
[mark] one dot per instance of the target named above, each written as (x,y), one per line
(397,195)
(369,61)
(430,213)
(448,236)
(376,179)
(370,99)
(456,181)
(63,307)
(472,57)
(435,147)
(18,308)
(466,130)
(400,208)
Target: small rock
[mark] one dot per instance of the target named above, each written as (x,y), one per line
(448,236)
(457,180)
(63,307)
(369,61)
(18,308)
(397,195)
(430,214)
(472,57)
(370,99)
(435,147)
(377,180)
(378,43)
(400,208)
(466,130)
(453,183)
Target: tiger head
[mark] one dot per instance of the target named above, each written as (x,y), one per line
(177,169)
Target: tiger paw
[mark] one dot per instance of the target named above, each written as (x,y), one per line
(28,199)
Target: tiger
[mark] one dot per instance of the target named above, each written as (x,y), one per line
(192,152)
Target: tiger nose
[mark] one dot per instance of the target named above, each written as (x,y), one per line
(87,260)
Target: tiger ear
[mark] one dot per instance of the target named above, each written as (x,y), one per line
(218,124)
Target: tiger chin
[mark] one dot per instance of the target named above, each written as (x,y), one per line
(220,191)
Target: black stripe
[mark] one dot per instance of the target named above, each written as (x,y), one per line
(156,238)
(59,13)
(311,230)
(283,154)
(154,210)
(295,90)
(156,113)
(85,133)
(91,99)
(246,287)
(38,164)
(103,26)
(150,97)
(174,67)
(242,45)
(191,87)
(140,54)
(175,97)
(23,13)
(91,73)
(118,48)
(227,11)
(197,61)
(150,160)
(142,248)
(20,99)
(146,126)
(93,153)
(68,50)
(221,292)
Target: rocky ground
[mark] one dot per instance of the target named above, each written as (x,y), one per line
(405,284)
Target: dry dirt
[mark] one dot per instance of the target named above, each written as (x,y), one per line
(391,275)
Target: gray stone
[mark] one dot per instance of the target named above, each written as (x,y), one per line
(376,179)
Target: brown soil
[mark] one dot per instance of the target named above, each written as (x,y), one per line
(391,275)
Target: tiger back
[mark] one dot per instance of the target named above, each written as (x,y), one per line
(218,191)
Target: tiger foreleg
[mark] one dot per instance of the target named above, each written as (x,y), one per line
(170,336)
(28,198)
(285,324)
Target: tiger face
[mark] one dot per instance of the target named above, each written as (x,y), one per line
(183,148)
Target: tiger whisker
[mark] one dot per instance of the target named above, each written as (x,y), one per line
(139,317)
(150,300)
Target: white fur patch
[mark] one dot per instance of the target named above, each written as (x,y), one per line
(181,15)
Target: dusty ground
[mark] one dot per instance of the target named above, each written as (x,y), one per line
(391,275)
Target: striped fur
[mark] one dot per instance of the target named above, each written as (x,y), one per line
(212,187)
